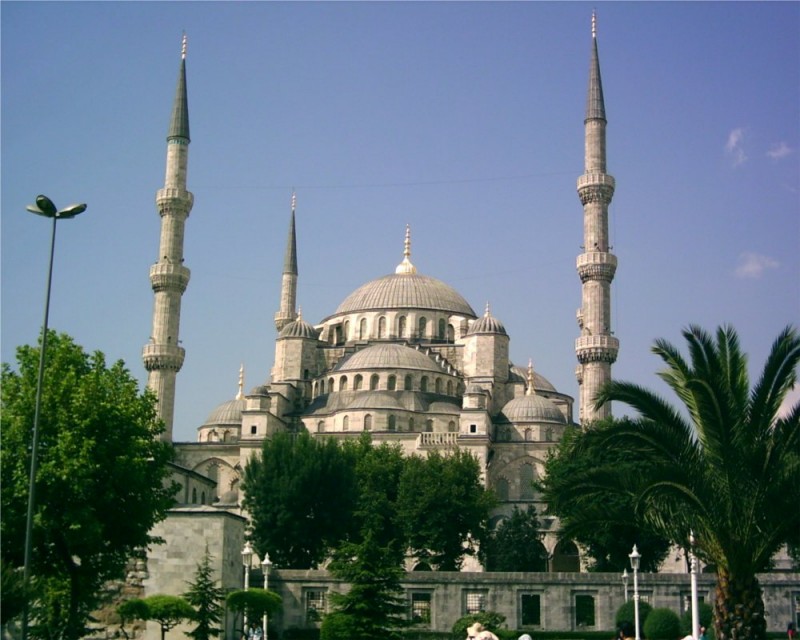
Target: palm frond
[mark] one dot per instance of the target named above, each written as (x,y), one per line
(777,379)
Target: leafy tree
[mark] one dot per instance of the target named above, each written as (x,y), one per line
(706,615)
(725,469)
(626,615)
(206,598)
(516,545)
(255,602)
(13,590)
(168,611)
(443,507)
(662,624)
(102,479)
(608,539)
(299,493)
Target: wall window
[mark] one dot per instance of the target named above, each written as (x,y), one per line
(473,428)
(501,489)
(423,384)
(392,423)
(411,424)
(330,385)
(584,610)
(194,495)
(316,601)
(423,325)
(346,330)
(343,383)
(382,327)
(451,333)
(408,383)
(401,326)
(346,423)
(253,429)
(321,426)
(420,603)
(438,385)
(474,601)
(451,426)
(373,382)
(362,329)
(368,422)
(530,610)
(322,387)
(358,382)
(526,477)
(449,387)
(391,384)
(442,328)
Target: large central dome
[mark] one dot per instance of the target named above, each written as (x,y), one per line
(406,291)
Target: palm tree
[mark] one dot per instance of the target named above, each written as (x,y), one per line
(726,467)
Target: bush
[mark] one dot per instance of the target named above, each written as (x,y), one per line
(489,619)
(662,624)
(627,614)
(298,633)
(706,618)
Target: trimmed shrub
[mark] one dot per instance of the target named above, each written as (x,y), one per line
(706,618)
(627,614)
(662,624)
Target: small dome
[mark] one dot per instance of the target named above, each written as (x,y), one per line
(520,374)
(487,324)
(532,408)
(228,413)
(259,390)
(388,356)
(299,329)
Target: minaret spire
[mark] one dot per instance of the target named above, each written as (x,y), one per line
(286,312)
(405,266)
(163,356)
(240,393)
(596,348)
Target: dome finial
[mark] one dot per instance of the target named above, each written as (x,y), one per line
(594,23)
(299,313)
(405,266)
(183,47)
(530,390)
(488,311)
(240,394)
(294,200)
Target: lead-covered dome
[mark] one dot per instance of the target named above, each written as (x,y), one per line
(388,356)
(532,408)
(226,414)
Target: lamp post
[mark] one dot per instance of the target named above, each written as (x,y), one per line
(693,574)
(247,559)
(635,558)
(625,583)
(265,566)
(44,207)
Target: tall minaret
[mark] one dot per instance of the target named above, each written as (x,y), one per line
(596,348)
(163,356)
(287,313)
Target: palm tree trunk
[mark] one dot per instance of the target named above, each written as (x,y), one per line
(739,608)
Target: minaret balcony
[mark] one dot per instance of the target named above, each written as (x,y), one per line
(596,349)
(596,187)
(158,357)
(174,201)
(592,179)
(165,276)
(597,265)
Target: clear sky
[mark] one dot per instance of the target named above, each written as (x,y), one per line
(464,120)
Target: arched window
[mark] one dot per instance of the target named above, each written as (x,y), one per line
(548,434)
(423,384)
(368,422)
(330,385)
(373,382)
(451,333)
(321,426)
(401,326)
(429,425)
(203,497)
(343,383)
(408,383)
(322,387)
(449,387)
(382,327)
(527,475)
(411,424)
(358,382)
(392,423)
(346,330)
(346,423)
(392,383)
(423,325)
(566,558)
(501,489)
(528,434)
(451,426)
(194,495)
(442,328)
(438,385)
(362,329)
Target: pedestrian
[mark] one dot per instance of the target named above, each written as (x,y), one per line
(791,632)
(702,634)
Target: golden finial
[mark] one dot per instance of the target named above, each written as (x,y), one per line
(405,266)
(183,47)
(594,23)
(530,390)
(240,394)
(488,311)
(294,201)
(299,313)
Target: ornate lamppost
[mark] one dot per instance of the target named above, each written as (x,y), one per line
(635,558)
(247,559)
(625,583)
(44,207)
(265,567)
(695,602)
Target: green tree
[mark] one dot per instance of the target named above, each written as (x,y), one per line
(102,479)
(206,598)
(168,611)
(443,507)
(516,544)
(726,468)
(662,624)
(626,614)
(254,602)
(299,493)
(608,539)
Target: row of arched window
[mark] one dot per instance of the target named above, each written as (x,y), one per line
(505,433)
(392,424)
(441,331)
(342,383)
(527,476)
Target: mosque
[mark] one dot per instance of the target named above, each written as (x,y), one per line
(404,356)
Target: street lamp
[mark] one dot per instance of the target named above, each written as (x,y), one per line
(265,566)
(247,559)
(693,579)
(635,558)
(625,582)
(44,207)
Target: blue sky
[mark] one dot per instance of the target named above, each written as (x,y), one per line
(464,120)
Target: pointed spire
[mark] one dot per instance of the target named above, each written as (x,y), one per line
(530,391)
(405,266)
(179,122)
(290,258)
(240,394)
(488,312)
(595,105)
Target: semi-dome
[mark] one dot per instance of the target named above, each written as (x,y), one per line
(227,413)
(532,408)
(388,356)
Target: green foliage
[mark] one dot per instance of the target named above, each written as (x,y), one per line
(254,602)
(706,615)
(168,611)
(627,614)
(489,619)
(607,534)
(516,545)
(206,598)
(662,624)
(443,507)
(101,482)
(299,493)
(13,590)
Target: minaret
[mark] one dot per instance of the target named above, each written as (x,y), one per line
(596,348)
(163,356)
(287,312)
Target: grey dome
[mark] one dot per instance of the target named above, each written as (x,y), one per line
(520,374)
(406,291)
(388,356)
(228,413)
(532,408)
(298,329)
(487,324)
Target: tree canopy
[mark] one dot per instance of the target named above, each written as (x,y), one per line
(206,598)
(516,544)
(102,478)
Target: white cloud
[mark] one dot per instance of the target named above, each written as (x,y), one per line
(792,398)
(733,147)
(779,150)
(752,265)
